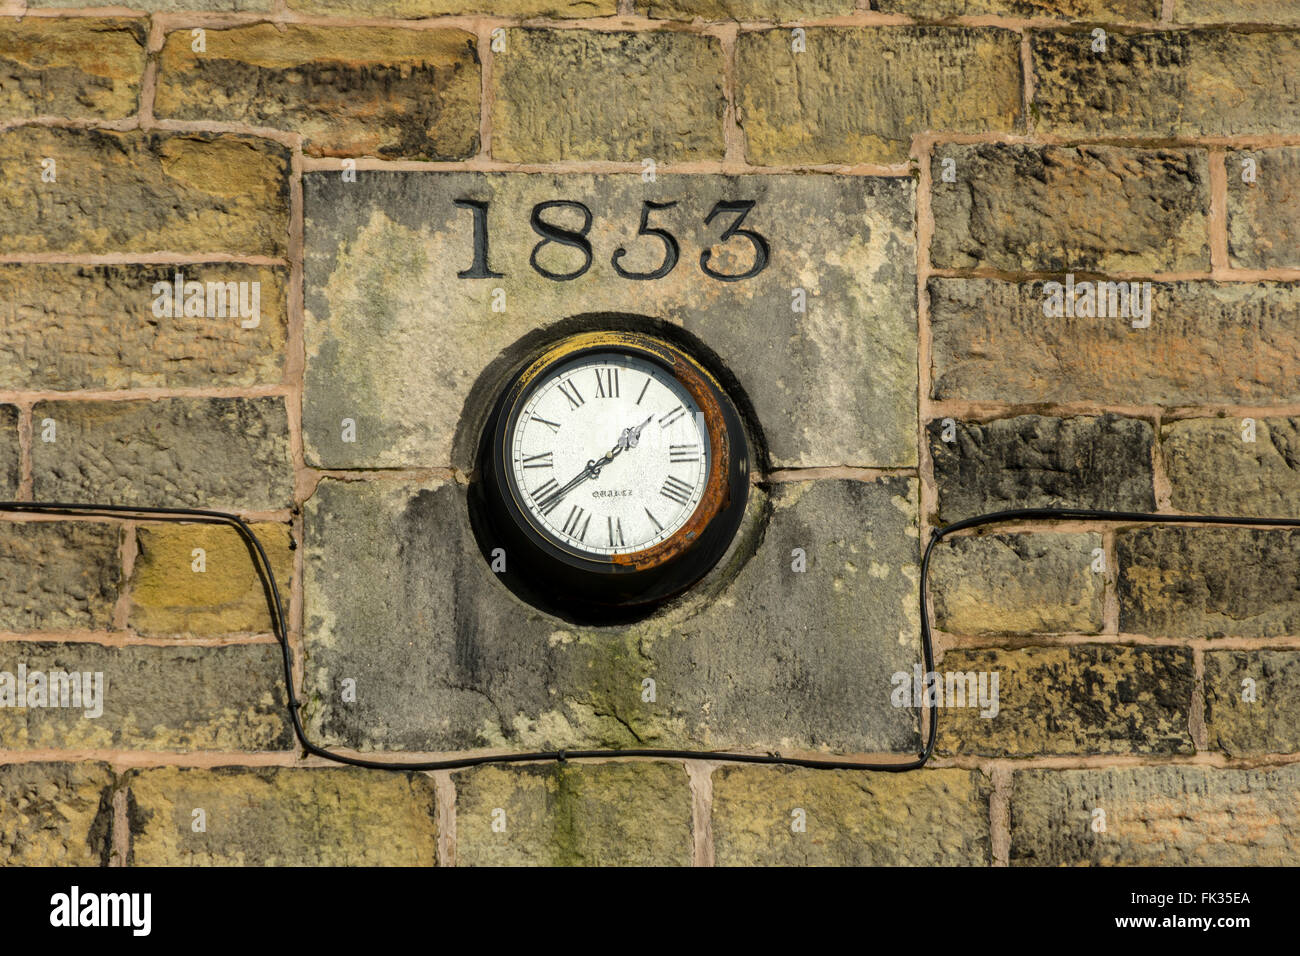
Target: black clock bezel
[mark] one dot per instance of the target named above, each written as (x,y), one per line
(642,577)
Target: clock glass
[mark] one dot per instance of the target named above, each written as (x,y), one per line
(614,473)
(609,454)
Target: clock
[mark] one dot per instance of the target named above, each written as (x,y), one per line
(614,473)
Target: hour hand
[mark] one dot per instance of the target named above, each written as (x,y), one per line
(552,497)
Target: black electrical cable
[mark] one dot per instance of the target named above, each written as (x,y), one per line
(281,630)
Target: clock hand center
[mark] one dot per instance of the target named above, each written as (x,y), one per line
(631,436)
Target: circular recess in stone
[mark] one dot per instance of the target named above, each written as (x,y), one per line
(613,475)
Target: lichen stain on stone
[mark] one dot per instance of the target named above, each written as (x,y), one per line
(383,304)
(566,728)
(376,271)
(788,494)
(602,708)
(861,376)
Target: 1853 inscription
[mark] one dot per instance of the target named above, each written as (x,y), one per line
(552,232)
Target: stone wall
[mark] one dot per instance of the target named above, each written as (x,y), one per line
(931,173)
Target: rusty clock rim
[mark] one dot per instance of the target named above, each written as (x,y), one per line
(702,386)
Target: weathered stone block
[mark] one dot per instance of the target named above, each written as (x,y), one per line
(1213,470)
(781,10)
(169,595)
(10,452)
(214,453)
(1156,816)
(1236,11)
(851,818)
(1034,461)
(418,9)
(860,95)
(582,95)
(1017,584)
(1208,343)
(1251,704)
(1209,582)
(444,657)
(1166,83)
(613,814)
(58,575)
(55,814)
(73,68)
(280,816)
(165,6)
(148,698)
(83,326)
(1264,215)
(1081,699)
(381,286)
(396,94)
(1104,11)
(143,192)
(1057,208)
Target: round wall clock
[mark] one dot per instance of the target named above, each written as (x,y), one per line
(615,470)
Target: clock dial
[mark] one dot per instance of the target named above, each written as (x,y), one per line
(609,454)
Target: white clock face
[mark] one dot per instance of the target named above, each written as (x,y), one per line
(609,454)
